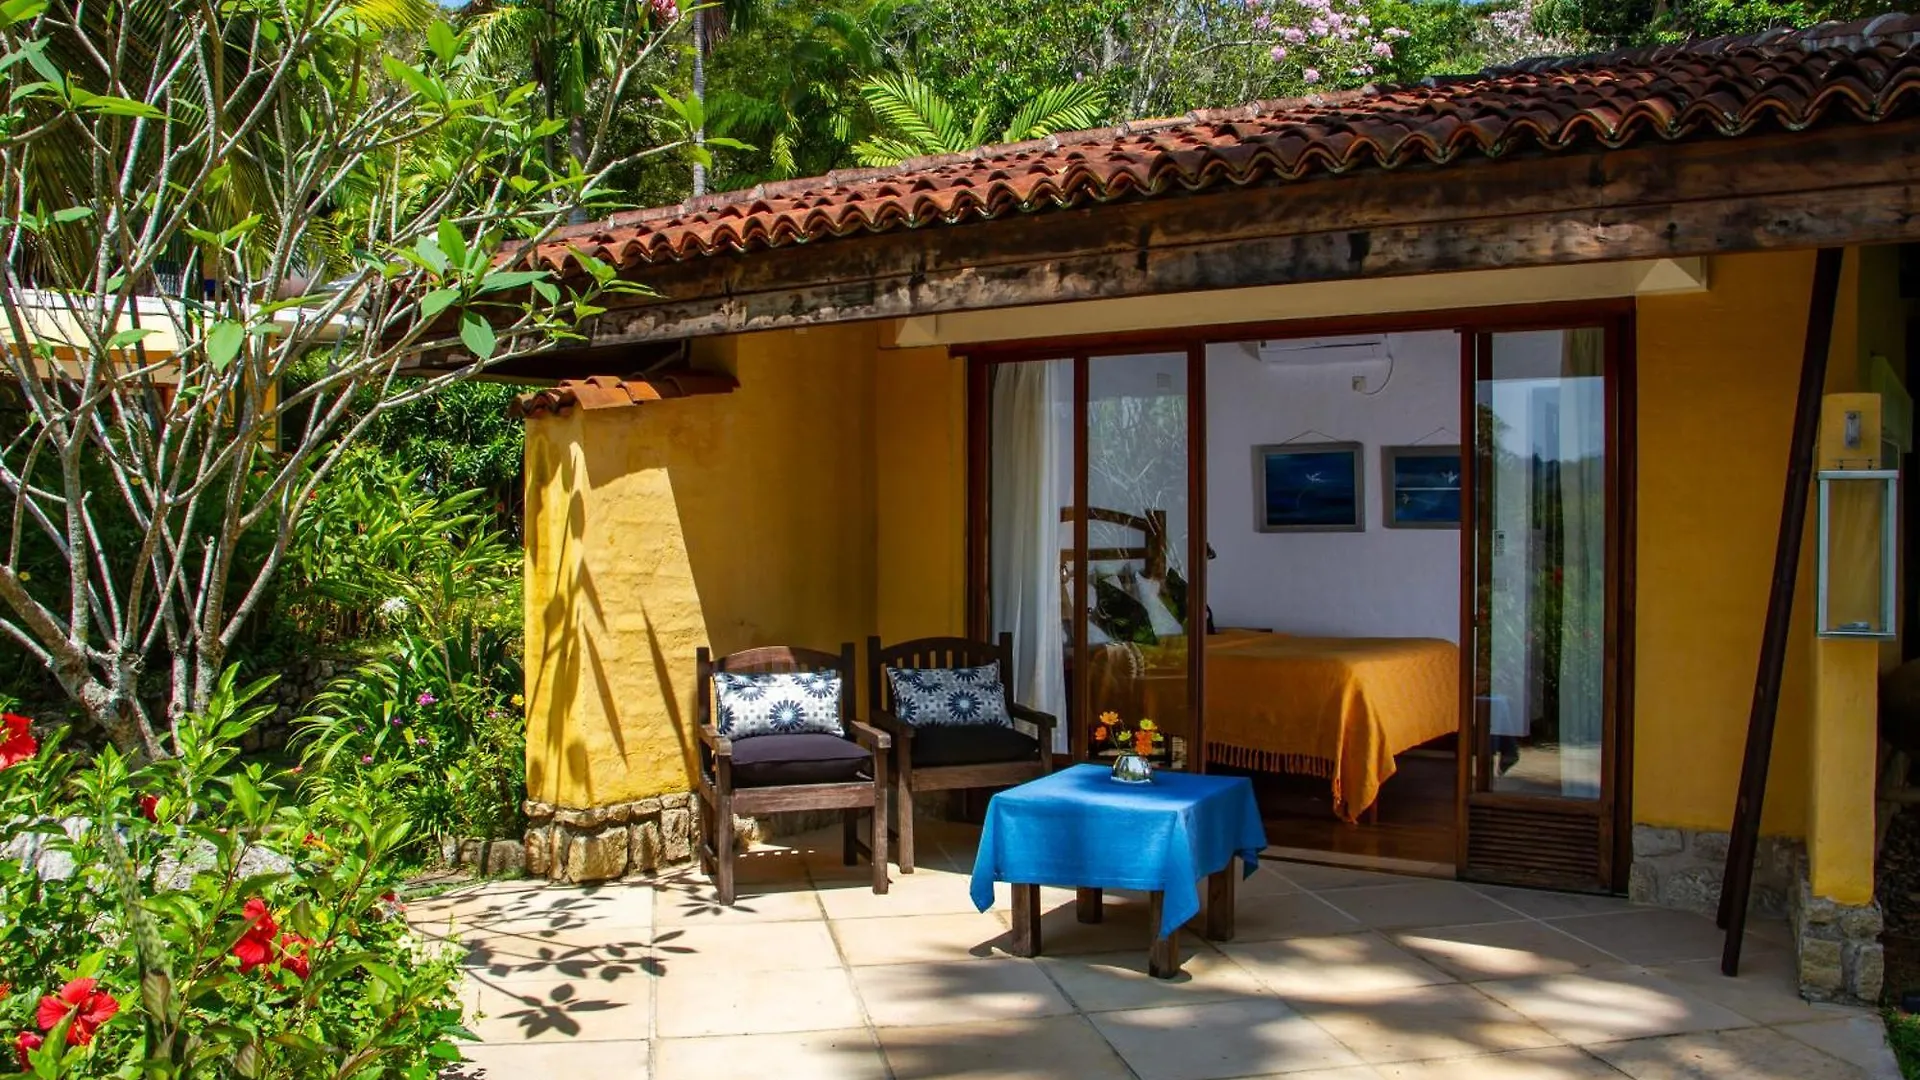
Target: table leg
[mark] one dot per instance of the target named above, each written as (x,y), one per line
(1088,905)
(1163,959)
(1026,920)
(1221,886)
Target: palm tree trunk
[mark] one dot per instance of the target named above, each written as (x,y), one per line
(577,145)
(700,94)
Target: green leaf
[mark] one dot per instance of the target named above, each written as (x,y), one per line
(548,291)
(436,302)
(510,279)
(725,143)
(72,213)
(452,242)
(477,333)
(108,105)
(442,40)
(416,80)
(429,253)
(19,11)
(129,337)
(223,343)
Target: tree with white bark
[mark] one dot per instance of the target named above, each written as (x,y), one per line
(194,198)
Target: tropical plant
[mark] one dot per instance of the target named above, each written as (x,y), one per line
(916,121)
(183,920)
(430,734)
(327,198)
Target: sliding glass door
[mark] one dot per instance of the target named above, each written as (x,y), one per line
(1543,577)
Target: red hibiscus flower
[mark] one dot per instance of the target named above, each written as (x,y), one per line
(90,1008)
(150,807)
(294,951)
(25,1043)
(16,745)
(255,946)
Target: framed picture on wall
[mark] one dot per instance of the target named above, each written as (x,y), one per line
(1422,486)
(1308,487)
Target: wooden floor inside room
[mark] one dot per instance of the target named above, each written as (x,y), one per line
(1416,821)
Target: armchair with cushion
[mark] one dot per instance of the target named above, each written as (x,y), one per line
(948,705)
(777,734)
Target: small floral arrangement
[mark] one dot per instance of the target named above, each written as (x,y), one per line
(1142,739)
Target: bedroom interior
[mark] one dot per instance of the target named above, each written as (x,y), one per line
(1315,532)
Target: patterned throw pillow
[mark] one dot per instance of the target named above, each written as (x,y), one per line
(949,697)
(792,703)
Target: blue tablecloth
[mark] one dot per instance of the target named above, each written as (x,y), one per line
(1078,828)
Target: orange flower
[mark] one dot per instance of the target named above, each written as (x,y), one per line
(1109,718)
(1143,743)
(1100,733)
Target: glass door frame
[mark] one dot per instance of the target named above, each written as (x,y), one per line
(1473,788)
(979,498)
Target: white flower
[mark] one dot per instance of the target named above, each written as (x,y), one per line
(394,607)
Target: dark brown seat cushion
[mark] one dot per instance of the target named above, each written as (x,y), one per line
(972,744)
(779,760)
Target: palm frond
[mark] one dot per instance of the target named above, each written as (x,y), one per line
(881,151)
(917,115)
(1066,107)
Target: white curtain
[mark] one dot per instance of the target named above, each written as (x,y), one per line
(1583,530)
(1029,446)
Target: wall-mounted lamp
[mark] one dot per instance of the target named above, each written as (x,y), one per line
(1857,560)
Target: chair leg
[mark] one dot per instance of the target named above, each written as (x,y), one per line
(850,836)
(723,850)
(879,850)
(705,839)
(903,810)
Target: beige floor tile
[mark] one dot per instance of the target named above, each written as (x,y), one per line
(747,946)
(922,939)
(1316,877)
(1223,1039)
(1611,1004)
(803,1055)
(521,958)
(1506,950)
(1425,1022)
(568,1009)
(1555,1063)
(1101,982)
(1860,1040)
(1273,916)
(1548,904)
(920,995)
(1123,924)
(1051,1048)
(921,893)
(1752,1054)
(1767,988)
(1418,904)
(1652,935)
(694,901)
(1266,881)
(521,1061)
(1349,1072)
(755,1002)
(1332,968)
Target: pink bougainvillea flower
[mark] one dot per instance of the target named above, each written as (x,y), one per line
(16,745)
(255,946)
(89,1006)
(25,1043)
(426,698)
(665,10)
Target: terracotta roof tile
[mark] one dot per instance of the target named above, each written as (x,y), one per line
(1791,80)
(608,392)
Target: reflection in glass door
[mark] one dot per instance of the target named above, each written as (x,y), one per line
(1136,536)
(1539,797)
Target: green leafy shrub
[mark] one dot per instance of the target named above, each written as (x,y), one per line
(431,735)
(184,919)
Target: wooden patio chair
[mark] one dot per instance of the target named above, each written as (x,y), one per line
(953,758)
(774,774)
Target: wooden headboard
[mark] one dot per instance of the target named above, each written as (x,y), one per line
(1152,550)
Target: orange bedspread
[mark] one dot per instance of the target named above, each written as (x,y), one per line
(1334,707)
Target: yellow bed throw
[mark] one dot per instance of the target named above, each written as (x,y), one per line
(1334,707)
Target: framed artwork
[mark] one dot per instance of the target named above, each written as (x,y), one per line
(1308,487)
(1423,486)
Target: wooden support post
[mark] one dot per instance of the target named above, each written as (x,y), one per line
(1163,959)
(1221,886)
(1026,920)
(1737,885)
(1089,905)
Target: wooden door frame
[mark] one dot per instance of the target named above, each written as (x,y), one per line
(1616,314)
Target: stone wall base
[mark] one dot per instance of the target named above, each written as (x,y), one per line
(1838,946)
(1682,868)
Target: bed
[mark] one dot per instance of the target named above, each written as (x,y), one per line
(1338,708)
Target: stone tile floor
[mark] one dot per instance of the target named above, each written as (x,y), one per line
(1335,974)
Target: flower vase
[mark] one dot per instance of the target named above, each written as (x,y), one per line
(1130,768)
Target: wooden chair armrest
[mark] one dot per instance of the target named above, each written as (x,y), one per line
(715,741)
(1044,721)
(892,725)
(869,736)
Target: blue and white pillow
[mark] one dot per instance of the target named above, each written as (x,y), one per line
(789,703)
(949,697)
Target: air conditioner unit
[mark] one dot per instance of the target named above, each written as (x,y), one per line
(1318,352)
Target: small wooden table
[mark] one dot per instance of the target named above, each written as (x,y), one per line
(1179,824)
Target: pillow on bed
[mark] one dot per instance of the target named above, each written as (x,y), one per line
(1173,593)
(1121,614)
(1160,614)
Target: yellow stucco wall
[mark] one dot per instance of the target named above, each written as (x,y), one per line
(752,518)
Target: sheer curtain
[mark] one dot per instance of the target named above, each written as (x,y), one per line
(1028,452)
(1583,530)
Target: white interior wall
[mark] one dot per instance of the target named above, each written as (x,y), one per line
(1379,583)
